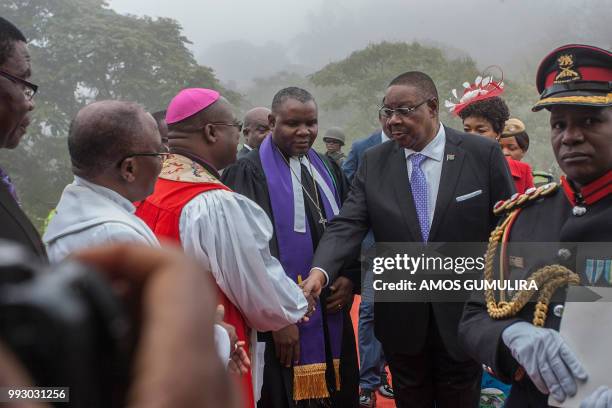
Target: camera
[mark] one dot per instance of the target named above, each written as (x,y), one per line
(66,327)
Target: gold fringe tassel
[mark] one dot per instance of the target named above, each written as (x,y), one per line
(337,373)
(309,381)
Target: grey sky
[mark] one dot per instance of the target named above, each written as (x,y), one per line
(242,39)
(209,21)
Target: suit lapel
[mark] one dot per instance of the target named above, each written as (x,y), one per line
(12,208)
(452,162)
(403,194)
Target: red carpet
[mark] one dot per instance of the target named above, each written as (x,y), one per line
(381,402)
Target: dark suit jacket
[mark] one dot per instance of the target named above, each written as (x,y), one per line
(15,225)
(242,152)
(381,199)
(358,148)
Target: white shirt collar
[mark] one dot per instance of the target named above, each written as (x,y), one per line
(383,137)
(107,193)
(434,149)
(248,147)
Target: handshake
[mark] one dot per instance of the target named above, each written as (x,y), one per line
(341,292)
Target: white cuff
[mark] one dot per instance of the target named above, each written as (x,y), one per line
(222,343)
(324,273)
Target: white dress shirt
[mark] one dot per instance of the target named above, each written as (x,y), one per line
(89,215)
(383,137)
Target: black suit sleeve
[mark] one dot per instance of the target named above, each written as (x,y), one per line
(351,269)
(480,336)
(341,243)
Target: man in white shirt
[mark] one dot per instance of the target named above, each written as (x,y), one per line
(116,154)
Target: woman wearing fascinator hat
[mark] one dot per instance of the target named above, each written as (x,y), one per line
(485,113)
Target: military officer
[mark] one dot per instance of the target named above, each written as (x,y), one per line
(518,340)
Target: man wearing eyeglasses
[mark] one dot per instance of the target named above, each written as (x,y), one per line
(432,184)
(116,153)
(255,129)
(16,103)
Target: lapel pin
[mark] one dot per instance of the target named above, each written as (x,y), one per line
(450,157)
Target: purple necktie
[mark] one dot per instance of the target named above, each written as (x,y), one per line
(418,184)
(6,180)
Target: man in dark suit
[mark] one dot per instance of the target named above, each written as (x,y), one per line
(432,184)
(372,373)
(255,129)
(16,103)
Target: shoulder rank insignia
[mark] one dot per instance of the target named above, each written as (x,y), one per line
(520,200)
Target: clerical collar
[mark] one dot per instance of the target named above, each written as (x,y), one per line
(209,167)
(589,194)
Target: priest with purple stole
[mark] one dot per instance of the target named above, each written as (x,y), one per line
(314,363)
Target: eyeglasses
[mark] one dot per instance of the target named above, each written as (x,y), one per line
(262,129)
(29,89)
(401,112)
(235,124)
(163,155)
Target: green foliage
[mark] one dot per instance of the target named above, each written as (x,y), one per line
(82,52)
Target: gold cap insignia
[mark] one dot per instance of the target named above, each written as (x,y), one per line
(566,69)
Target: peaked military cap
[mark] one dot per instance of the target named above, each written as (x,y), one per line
(575,74)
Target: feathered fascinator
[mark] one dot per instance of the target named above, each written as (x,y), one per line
(483,87)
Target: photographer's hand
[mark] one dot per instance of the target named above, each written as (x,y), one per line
(14,375)
(175,363)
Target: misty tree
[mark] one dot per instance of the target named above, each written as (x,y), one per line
(82,51)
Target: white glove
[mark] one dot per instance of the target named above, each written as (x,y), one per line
(548,361)
(600,398)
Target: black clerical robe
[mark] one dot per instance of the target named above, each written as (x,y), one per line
(247,177)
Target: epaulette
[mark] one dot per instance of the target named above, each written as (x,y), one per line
(521,200)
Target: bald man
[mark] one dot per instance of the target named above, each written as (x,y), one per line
(255,129)
(116,153)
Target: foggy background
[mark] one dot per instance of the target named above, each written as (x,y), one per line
(303,36)
(344,52)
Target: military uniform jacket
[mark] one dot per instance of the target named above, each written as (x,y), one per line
(546,220)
